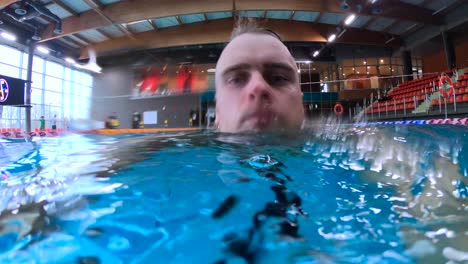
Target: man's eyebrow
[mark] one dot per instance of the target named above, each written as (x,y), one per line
(281,66)
(236,67)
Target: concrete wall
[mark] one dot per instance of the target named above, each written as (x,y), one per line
(111,93)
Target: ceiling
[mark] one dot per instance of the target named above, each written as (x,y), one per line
(121,27)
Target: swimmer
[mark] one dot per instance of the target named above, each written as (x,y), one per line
(257,85)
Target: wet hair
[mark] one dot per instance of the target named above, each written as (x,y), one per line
(248,25)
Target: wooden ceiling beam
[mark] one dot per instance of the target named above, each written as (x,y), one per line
(411,29)
(101,13)
(79,44)
(390,26)
(207,33)
(5,3)
(137,10)
(100,31)
(82,39)
(367,23)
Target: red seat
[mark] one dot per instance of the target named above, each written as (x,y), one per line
(459,98)
(465,98)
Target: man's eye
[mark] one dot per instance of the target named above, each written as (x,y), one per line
(238,79)
(278,79)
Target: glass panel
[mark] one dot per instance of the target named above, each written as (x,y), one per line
(384,70)
(67,87)
(25,61)
(348,62)
(384,60)
(68,74)
(348,71)
(397,61)
(10,56)
(360,62)
(53,84)
(76,106)
(87,79)
(78,77)
(372,70)
(361,70)
(38,64)
(66,105)
(86,91)
(371,61)
(52,98)
(36,112)
(397,70)
(36,96)
(37,81)
(10,71)
(54,69)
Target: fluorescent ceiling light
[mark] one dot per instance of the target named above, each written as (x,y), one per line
(316,53)
(350,19)
(211,70)
(8,36)
(331,38)
(42,49)
(70,60)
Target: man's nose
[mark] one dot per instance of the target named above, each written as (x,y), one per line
(259,89)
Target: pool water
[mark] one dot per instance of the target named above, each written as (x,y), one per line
(339,194)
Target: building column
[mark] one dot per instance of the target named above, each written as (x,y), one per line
(449,50)
(407,66)
(31,48)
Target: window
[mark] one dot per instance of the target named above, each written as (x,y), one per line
(52,98)
(36,96)
(38,65)
(37,80)
(54,69)
(53,84)
(55,90)
(10,56)
(9,70)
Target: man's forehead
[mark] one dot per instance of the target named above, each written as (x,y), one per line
(255,46)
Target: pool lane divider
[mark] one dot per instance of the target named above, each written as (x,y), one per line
(449,121)
(143,130)
(22,135)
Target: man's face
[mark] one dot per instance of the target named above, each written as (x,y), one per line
(257,87)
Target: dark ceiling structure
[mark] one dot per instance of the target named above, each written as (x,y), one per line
(140,31)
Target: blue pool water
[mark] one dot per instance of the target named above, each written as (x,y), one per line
(385,194)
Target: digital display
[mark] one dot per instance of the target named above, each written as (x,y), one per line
(4,90)
(11,91)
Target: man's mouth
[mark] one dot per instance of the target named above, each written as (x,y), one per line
(259,120)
